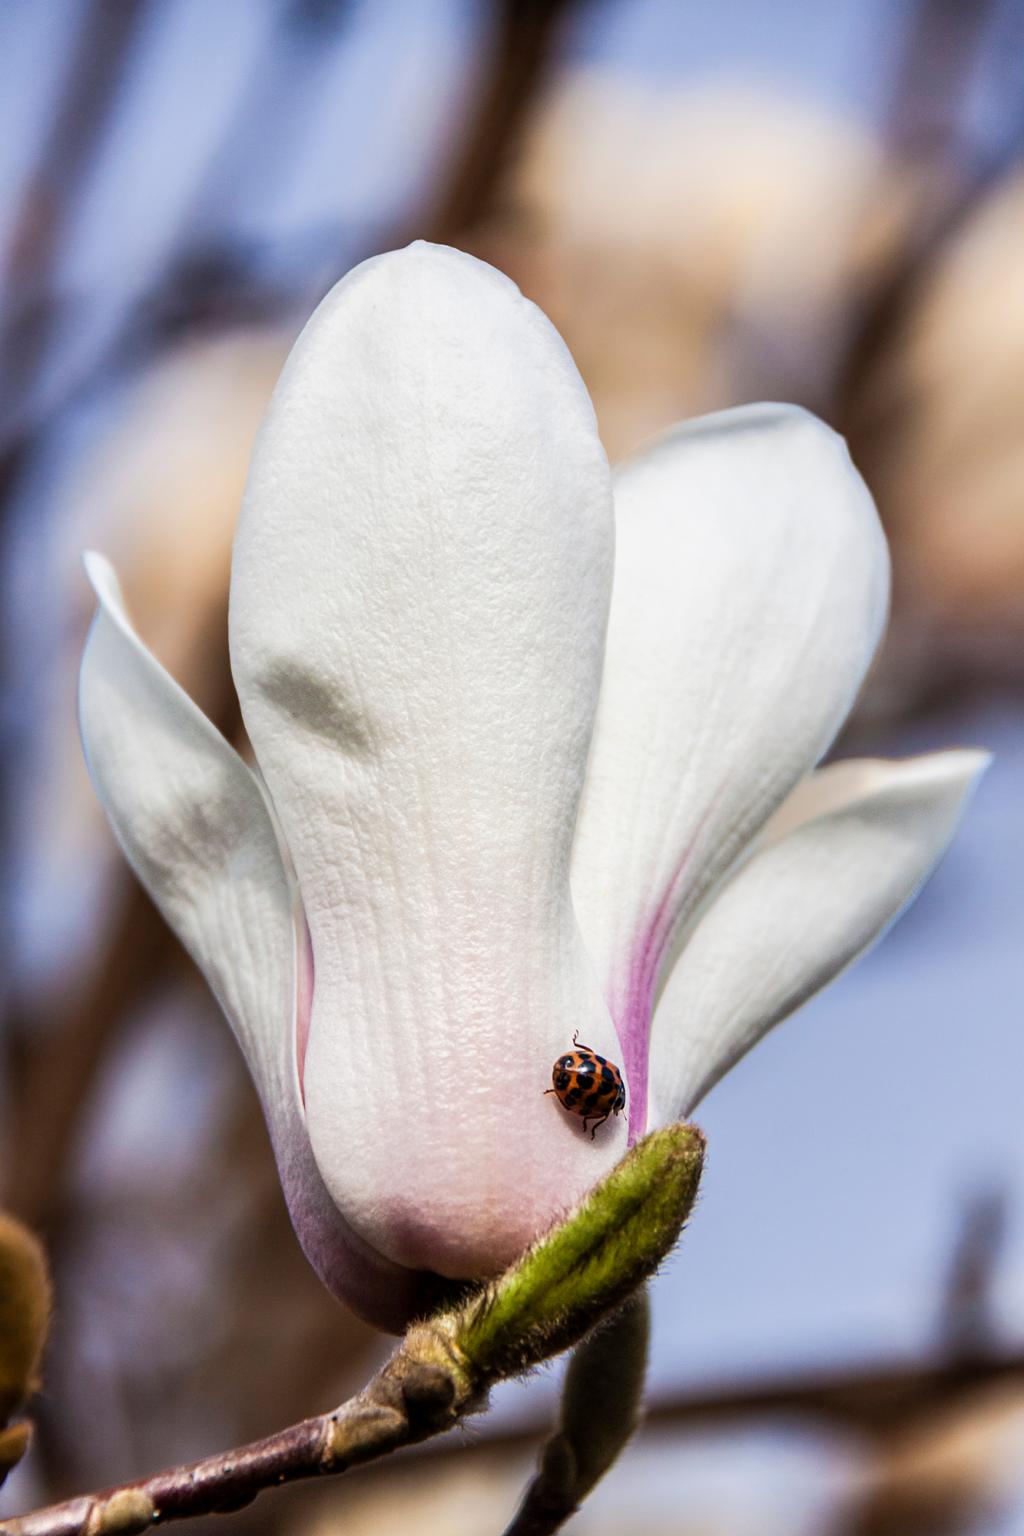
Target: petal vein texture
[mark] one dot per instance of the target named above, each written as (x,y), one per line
(751,584)
(418,608)
(192,821)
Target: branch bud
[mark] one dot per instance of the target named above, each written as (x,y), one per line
(588,1265)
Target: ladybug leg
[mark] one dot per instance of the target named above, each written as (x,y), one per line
(593,1132)
(546,1092)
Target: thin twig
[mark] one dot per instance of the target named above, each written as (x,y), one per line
(923,120)
(524,33)
(423,1390)
(98,52)
(586,1266)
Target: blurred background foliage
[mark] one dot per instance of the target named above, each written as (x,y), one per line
(815,202)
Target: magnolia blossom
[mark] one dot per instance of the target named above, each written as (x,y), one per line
(500,799)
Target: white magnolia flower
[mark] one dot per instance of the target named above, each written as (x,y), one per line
(477,828)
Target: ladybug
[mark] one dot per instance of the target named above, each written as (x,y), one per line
(588,1084)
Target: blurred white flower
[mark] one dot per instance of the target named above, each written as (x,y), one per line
(454,853)
(691,242)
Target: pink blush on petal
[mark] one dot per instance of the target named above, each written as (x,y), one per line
(632,1002)
(303,998)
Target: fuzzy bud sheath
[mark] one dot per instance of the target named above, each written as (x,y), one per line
(571,1280)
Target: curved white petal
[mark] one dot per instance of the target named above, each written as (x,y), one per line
(418,605)
(837,863)
(751,581)
(194,826)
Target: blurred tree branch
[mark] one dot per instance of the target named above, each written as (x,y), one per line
(523,37)
(53,1068)
(928,95)
(30,311)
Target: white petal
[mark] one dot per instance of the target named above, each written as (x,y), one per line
(841,858)
(418,605)
(194,826)
(751,581)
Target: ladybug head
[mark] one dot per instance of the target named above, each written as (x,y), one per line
(559,1077)
(567,1063)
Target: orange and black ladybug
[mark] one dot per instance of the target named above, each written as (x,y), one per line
(588,1085)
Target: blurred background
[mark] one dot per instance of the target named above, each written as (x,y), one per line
(818,202)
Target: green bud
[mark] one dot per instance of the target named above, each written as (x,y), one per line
(588,1265)
(601,1404)
(603,1389)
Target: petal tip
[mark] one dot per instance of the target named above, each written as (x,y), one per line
(957,769)
(102,577)
(98,568)
(972,762)
(964,769)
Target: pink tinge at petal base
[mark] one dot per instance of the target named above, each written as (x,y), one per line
(420,587)
(632,997)
(750,591)
(382,1293)
(195,823)
(303,996)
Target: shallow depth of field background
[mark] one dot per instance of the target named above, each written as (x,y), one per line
(819,202)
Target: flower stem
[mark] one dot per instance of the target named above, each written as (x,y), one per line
(581,1271)
(601,1408)
(422,1391)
